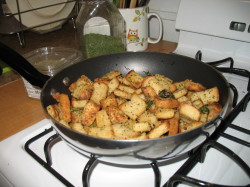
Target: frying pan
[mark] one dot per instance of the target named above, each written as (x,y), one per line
(133,152)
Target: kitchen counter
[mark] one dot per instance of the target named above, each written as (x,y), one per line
(18,111)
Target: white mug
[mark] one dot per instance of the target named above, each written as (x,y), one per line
(137,28)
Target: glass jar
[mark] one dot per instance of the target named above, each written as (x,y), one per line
(100,28)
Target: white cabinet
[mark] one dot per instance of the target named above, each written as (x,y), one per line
(167,9)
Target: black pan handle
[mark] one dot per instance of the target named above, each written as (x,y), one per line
(22,66)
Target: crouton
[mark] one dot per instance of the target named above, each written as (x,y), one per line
(159,131)
(122,94)
(164,113)
(76,115)
(148,117)
(166,103)
(134,78)
(109,101)
(103,132)
(189,112)
(112,74)
(180,93)
(134,108)
(125,88)
(123,132)
(78,127)
(102,119)
(89,113)
(142,127)
(53,111)
(100,92)
(173,126)
(64,108)
(214,110)
(113,85)
(189,126)
(149,92)
(78,103)
(207,96)
(116,115)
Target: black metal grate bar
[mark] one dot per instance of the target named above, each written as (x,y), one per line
(41,161)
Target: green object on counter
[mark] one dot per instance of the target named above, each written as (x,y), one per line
(98,44)
(4,67)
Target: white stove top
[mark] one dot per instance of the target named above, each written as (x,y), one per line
(18,168)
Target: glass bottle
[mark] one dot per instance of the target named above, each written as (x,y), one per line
(100,28)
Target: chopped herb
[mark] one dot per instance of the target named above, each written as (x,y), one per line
(204,110)
(76,110)
(149,104)
(147,73)
(165,94)
(98,44)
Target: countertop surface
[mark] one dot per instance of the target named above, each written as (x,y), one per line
(17,110)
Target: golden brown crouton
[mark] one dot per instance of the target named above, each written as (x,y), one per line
(173,126)
(78,127)
(149,92)
(116,115)
(122,94)
(148,117)
(207,96)
(189,126)
(109,101)
(103,132)
(89,113)
(102,119)
(134,78)
(53,111)
(164,113)
(112,74)
(134,108)
(189,112)
(78,103)
(100,92)
(214,110)
(123,132)
(159,131)
(166,103)
(142,127)
(113,85)
(64,108)
(76,115)
(180,93)
(125,88)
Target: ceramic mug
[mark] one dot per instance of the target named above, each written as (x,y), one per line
(137,28)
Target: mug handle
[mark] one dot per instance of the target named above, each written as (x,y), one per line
(154,41)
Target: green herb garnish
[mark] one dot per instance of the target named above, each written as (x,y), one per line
(147,73)
(165,94)
(204,110)
(149,104)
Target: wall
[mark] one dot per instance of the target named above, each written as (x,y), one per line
(167,9)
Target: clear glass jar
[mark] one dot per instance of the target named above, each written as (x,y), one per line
(100,28)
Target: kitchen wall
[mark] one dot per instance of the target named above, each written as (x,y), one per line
(167,9)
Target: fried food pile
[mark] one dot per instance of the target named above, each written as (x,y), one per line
(134,106)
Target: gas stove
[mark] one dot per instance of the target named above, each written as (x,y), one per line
(37,157)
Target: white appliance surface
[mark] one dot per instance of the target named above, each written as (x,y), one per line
(18,168)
